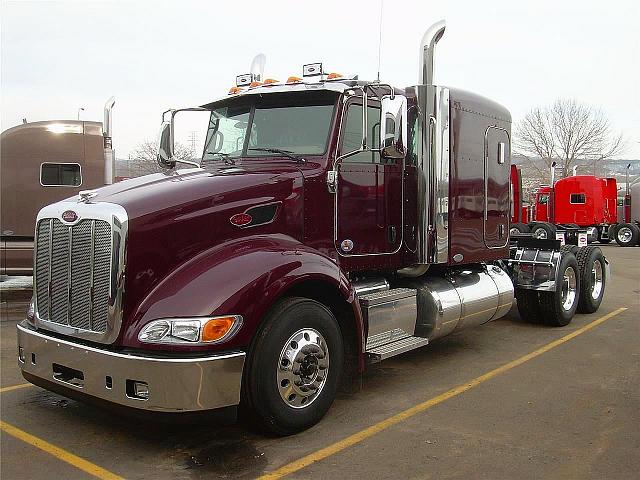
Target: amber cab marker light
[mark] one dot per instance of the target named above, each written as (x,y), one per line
(255,84)
(294,79)
(217,328)
(234,90)
(333,76)
(269,81)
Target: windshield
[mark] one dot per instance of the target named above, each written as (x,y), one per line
(296,123)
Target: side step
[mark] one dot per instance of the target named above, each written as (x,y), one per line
(377,354)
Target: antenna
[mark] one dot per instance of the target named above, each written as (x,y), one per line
(380,39)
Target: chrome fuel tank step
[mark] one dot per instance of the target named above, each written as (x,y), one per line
(397,347)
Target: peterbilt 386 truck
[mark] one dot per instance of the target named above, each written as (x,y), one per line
(331,223)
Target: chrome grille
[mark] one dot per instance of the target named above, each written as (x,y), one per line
(73,265)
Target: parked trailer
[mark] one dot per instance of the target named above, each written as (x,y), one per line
(43,162)
(302,248)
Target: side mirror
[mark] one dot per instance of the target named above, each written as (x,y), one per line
(393,131)
(165,146)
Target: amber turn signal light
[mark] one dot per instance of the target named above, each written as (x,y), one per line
(333,76)
(216,328)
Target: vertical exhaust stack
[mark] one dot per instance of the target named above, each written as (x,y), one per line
(432,238)
(427,48)
(109,156)
(553,174)
(628,189)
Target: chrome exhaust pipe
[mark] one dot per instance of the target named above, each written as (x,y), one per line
(553,174)
(427,46)
(109,157)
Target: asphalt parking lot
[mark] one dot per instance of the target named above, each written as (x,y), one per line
(508,400)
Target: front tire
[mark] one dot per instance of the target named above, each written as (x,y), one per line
(294,367)
(560,306)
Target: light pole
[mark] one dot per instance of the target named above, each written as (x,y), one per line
(81,109)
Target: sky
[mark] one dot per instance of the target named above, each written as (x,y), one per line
(58,56)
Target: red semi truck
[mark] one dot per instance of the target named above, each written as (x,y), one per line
(579,202)
(332,223)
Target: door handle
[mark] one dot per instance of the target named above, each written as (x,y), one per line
(391,234)
(332,181)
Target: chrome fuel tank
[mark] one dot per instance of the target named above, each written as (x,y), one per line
(462,298)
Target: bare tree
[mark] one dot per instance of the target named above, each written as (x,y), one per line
(144,157)
(567,132)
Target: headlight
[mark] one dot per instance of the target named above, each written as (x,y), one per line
(192,331)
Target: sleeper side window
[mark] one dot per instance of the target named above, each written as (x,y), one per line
(60,175)
(578,198)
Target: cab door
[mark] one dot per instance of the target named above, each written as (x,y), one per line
(368,191)
(497,204)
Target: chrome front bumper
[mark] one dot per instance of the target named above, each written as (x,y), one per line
(173,384)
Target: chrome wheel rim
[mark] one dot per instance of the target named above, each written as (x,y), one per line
(596,280)
(624,234)
(540,233)
(302,368)
(514,231)
(569,288)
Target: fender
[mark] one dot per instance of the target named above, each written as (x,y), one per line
(244,277)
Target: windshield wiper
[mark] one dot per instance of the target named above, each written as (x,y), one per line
(223,156)
(286,153)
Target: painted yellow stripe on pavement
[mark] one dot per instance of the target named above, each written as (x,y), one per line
(59,453)
(421,407)
(15,387)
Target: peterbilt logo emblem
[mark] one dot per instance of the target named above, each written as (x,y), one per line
(69,216)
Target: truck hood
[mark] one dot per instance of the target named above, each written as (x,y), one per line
(178,190)
(175,216)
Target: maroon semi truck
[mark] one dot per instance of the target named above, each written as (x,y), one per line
(332,223)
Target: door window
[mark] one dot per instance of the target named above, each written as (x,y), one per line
(352,134)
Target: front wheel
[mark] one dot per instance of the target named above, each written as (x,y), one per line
(294,366)
(559,306)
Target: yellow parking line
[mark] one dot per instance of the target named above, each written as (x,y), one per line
(421,407)
(59,453)
(15,387)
